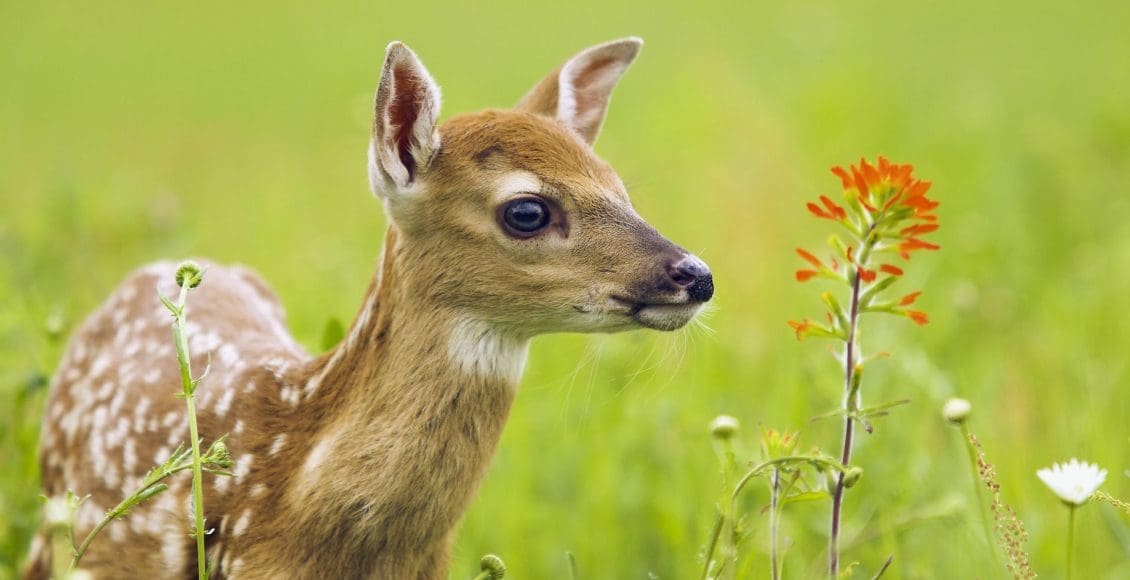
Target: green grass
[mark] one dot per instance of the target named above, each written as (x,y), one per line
(133,131)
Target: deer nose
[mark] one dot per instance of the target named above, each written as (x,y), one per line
(692,274)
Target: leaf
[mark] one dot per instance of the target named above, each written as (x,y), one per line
(829,415)
(806,497)
(173,308)
(332,334)
(881,410)
(883,568)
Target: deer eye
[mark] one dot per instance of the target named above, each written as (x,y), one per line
(525,217)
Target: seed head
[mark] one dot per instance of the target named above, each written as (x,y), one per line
(189,274)
(852,475)
(493,566)
(724,427)
(957,410)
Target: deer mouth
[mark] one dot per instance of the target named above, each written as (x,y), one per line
(657,315)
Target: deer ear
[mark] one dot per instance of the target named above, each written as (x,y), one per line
(404,127)
(577,93)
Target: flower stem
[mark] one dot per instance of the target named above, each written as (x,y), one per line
(981,507)
(845,454)
(189,387)
(1070,537)
(774,525)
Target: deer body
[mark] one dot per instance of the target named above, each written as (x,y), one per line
(360,462)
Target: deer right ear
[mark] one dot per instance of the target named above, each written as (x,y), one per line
(404,127)
(577,93)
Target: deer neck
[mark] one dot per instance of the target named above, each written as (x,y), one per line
(408,409)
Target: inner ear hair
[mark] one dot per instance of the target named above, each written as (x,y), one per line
(404,125)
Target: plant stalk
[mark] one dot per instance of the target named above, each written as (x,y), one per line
(845,454)
(774,525)
(1070,537)
(981,506)
(189,387)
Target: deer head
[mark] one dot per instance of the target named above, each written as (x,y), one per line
(510,217)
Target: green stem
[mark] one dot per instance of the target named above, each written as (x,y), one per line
(729,547)
(1070,537)
(774,524)
(189,388)
(981,506)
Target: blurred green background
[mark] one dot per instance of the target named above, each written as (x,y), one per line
(132,131)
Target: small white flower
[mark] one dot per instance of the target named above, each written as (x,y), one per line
(1074,482)
(956,410)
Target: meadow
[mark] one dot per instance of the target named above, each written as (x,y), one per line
(137,131)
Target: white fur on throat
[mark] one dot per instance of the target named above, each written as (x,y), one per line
(482,351)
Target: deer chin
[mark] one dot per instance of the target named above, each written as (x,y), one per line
(665,316)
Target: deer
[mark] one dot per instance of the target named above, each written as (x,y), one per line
(502,225)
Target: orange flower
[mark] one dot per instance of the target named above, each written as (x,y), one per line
(892,270)
(909,298)
(808,257)
(918,317)
(890,182)
(830,211)
(888,210)
(911,244)
(806,275)
(801,328)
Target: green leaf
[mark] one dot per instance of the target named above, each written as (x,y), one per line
(881,410)
(806,497)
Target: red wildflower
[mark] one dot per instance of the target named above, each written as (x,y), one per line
(909,298)
(918,317)
(808,257)
(801,327)
(867,275)
(911,244)
(892,270)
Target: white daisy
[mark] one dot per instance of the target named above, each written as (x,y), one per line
(1074,482)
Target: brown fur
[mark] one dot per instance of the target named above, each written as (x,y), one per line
(359,462)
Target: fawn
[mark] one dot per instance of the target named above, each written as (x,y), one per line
(503,224)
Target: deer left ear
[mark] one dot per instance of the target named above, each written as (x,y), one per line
(404,127)
(578,92)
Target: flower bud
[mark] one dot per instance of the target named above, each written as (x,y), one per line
(493,566)
(57,513)
(219,455)
(724,427)
(957,410)
(852,475)
(189,274)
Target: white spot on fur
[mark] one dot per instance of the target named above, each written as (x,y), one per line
(290,395)
(243,467)
(228,355)
(161,455)
(241,524)
(129,455)
(224,403)
(318,455)
(173,551)
(479,350)
(100,364)
(277,444)
(258,489)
